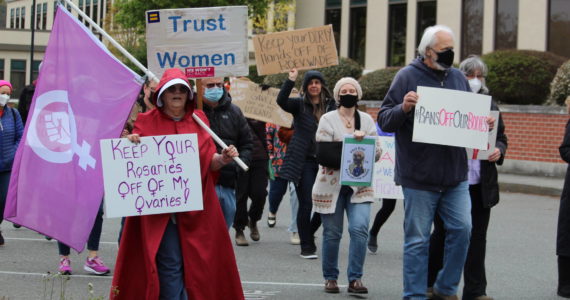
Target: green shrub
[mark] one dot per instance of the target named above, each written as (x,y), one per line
(346,68)
(375,84)
(560,86)
(519,77)
(253,76)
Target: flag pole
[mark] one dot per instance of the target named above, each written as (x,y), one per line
(150,75)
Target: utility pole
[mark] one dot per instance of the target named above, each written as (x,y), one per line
(33,25)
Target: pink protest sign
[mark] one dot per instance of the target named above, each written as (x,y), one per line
(83,94)
(200,72)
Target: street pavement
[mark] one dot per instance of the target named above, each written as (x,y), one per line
(521,260)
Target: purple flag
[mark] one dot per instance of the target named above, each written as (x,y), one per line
(83,94)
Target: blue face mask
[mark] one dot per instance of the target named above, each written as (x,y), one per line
(214,94)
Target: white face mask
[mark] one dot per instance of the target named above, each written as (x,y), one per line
(4,99)
(475,85)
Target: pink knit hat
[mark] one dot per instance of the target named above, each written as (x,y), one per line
(4,82)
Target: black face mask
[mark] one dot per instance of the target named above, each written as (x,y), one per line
(445,58)
(348,100)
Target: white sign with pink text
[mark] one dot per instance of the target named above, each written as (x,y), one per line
(452,118)
(383,182)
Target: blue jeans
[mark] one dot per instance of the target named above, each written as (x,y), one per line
(227,197)
(4,182)
(277,189)
(358,215)
(420,207)
(94,236)
(169,265)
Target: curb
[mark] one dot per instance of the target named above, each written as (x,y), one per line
(510,187)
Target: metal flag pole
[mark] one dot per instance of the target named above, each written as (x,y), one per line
(150,75)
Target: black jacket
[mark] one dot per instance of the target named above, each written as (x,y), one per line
(229,123)
(25,101)
(422,166)
(302,145)
(258,140)
(563,234)
(489,175)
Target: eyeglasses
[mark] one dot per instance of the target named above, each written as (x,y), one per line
(177,88)
(211,85)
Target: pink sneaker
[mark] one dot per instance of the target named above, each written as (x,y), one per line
(96,266)
(64,266)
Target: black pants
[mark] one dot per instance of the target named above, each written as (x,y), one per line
(564,276)
(307,226)
(474,271)
(382,215)
(251,184)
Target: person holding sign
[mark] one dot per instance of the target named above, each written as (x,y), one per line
(331,199)
(484,192)
(178,256)
(229,123)
(433,177)
(300,164)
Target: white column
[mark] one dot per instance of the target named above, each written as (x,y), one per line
(489,12)
(449,14)
(309,13)
(376,35)
(533,25)
(411,30)
(344,27)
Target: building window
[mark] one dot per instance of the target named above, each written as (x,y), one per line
(38,16)
(472,28)
(357,31)
(426,17)
(506,24)
(23,20)
(17,76)
(12,18)
(397,18)
(44,16)
(332,16)
(559,27)
(87,11)
(81,8)
(95,11)
(2,68)
(17,17)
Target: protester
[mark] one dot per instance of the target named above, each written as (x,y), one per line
(484,193)
(300,165)
(331,200)
(178,255)
(26,96)
(11,130)
(433,177)
(277,140)
(252,184)
(228,122)
(563,233)
(93,264)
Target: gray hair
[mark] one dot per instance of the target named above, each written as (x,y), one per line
(429,38)
(471,64)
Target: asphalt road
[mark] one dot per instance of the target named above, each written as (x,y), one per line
(521,260)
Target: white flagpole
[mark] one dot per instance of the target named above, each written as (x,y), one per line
(150,75)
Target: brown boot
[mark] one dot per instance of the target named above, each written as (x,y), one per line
(438,296)
(356,287)
(484,297)
(254,231)
(331,287)
(240,238)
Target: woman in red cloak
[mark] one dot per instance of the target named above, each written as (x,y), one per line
(185,255)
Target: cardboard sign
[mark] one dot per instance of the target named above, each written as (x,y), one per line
(484,154)
(384,185)
(450,117)
(202,42)
(159,175)
(259,105)
(309,48)
(357,161)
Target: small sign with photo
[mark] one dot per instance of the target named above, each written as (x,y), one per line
(357,164)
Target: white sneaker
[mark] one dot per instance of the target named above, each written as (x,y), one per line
(295,240)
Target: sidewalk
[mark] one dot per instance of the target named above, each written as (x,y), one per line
(546,186)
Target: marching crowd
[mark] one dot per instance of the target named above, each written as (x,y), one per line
(182,255)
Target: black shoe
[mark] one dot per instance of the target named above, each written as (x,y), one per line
(16,225)
(372,244)
(47,237)
(254,231)
(1,239)
(309,255)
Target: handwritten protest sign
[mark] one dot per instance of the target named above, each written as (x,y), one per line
(384,186)
(259,105)
(451,117)
(302,49)
(203,42)
(159,175)
(357,161)
(484,154)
